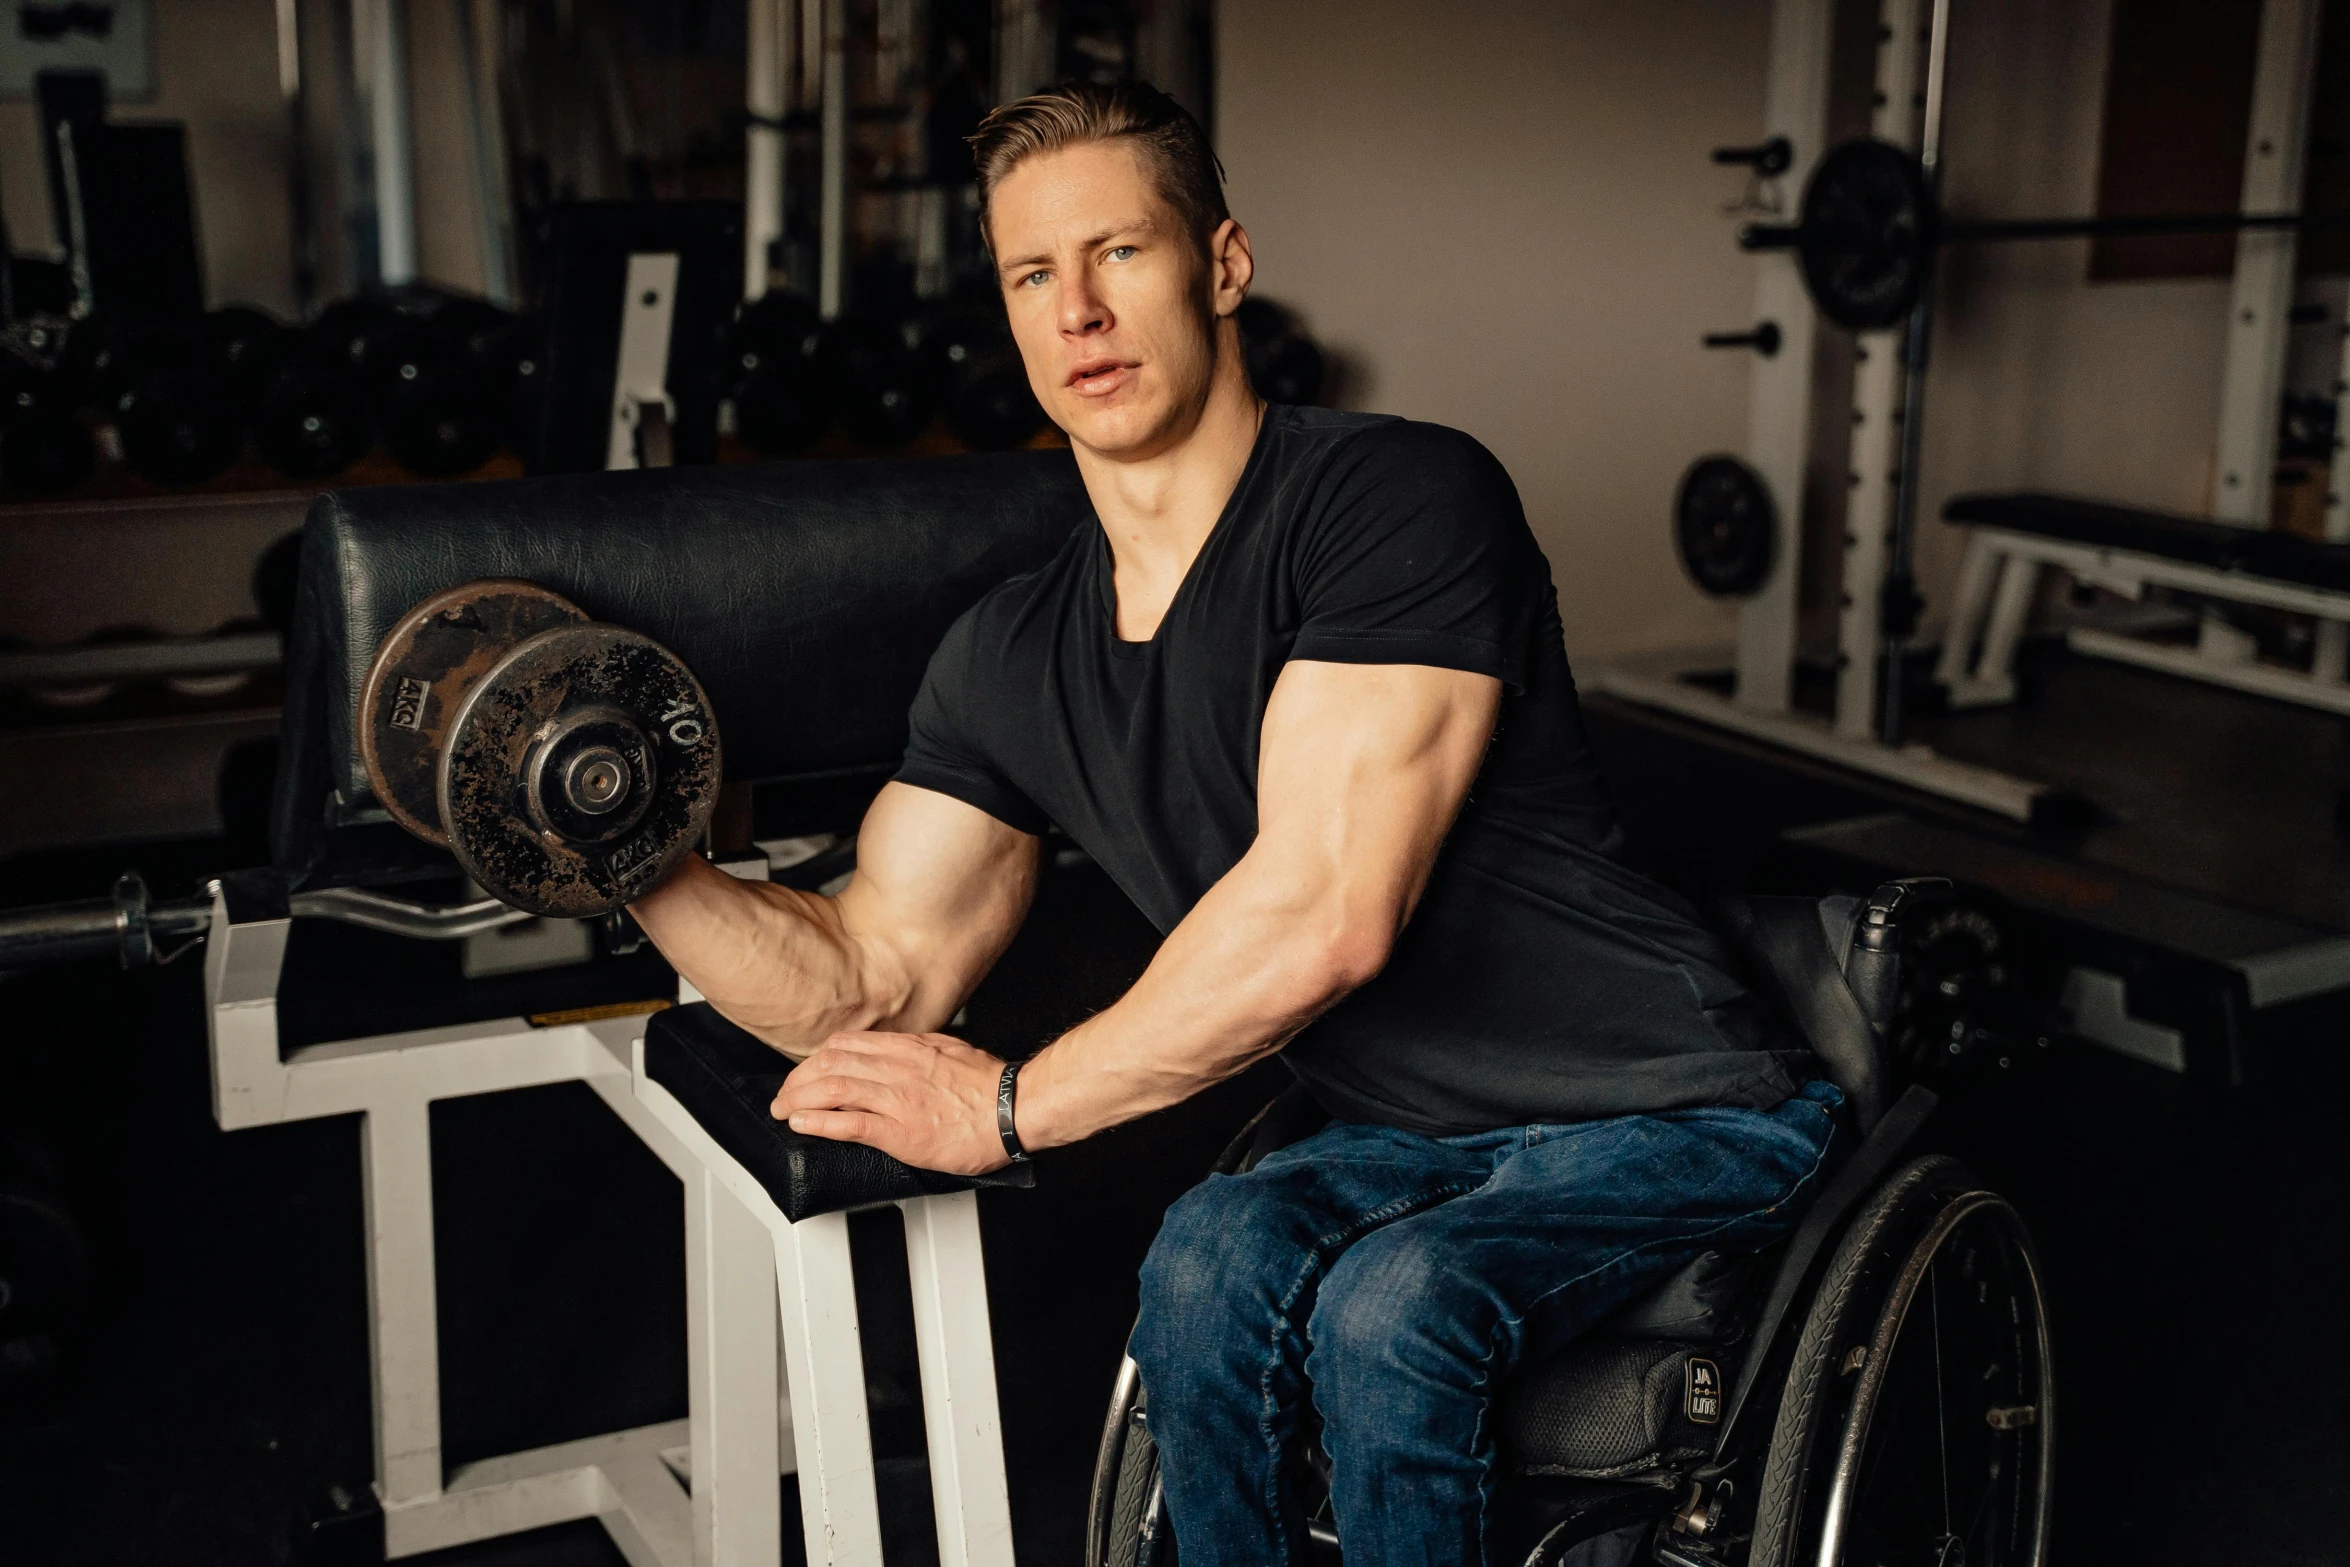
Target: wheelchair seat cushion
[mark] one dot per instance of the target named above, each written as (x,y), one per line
(1702,1303)
(726,1079)
(1606,1408)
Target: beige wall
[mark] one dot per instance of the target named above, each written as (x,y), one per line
(1503,215)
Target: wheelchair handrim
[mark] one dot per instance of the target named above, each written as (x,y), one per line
(1107,1459)
(1844,1482)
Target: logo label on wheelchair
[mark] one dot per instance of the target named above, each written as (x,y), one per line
(1702,1398)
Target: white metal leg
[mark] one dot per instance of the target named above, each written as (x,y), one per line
(2331,653)
(730,1363)
(951,1330)
(395,1144)
(2019,579)
(1970,599)
(824,1352)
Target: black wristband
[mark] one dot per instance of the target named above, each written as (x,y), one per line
(1005,1087)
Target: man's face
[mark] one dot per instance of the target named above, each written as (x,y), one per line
(1113,304)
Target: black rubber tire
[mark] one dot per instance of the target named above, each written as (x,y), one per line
(1901,1208)
(1127,1490)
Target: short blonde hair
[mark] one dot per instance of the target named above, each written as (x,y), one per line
(1172,144)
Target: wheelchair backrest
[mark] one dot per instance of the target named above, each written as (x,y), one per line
(1834,966)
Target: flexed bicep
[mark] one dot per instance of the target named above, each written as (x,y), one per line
(1361,771)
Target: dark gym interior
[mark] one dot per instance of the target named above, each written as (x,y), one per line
(1928,410)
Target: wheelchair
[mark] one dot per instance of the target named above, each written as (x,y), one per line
(1873,1389)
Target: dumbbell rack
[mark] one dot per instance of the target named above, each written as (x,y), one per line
(142,768)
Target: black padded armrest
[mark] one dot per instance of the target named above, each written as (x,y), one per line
(726,1079)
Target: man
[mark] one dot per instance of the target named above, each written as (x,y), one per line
(1303,694)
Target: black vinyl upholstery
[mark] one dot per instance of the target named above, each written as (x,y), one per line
(807,597)
(726,1079)
(2263,552)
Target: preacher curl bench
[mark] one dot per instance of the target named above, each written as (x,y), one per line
(807,599)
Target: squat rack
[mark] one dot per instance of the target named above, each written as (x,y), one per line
(1889,381)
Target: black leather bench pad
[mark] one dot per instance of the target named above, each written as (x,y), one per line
(2196,540)
(726,1079)
(806,596)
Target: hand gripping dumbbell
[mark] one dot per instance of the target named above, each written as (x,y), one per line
(569,766)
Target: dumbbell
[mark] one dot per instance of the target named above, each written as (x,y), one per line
(569,766)
(44,446)
(874,369)
(779,402)
(988,403)
(249,347)
(1285,365)
(165,391)
(314,421)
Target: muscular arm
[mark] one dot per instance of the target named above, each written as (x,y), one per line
(1361,770)
(940,888)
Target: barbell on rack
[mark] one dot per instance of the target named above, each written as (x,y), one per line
(1871,223)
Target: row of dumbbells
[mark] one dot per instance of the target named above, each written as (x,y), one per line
(441,387)
(885,378)
(443,383)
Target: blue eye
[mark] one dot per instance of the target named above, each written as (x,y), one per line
(1030,280)
(1121,252)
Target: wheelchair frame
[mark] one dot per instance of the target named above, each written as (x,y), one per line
(1687,1515)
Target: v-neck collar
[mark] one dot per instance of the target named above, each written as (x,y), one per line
(1106,561)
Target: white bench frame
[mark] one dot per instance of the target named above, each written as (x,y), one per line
(2000,576)
(698,1492)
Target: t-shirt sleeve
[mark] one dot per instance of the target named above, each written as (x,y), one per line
(945,747)
(1412,552)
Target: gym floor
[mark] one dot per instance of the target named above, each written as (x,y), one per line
(2188,1231)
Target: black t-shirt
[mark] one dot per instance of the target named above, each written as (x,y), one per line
(1540,978)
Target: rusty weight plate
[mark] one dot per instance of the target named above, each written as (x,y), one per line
(580,771)
(420,675)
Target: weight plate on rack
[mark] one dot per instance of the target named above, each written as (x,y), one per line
(1869,228)
(1725,526)
(421,671)
(580,771)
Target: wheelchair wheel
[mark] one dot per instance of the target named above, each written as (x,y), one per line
(1917,1426)
(1126,1526)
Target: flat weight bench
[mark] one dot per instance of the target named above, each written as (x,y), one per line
(807,597)
(2011,537)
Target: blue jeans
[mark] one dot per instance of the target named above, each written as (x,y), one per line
(1403,1277)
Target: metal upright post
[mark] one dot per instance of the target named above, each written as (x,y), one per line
(485,140)
(2262,299)
(833,213)
(1778,439)
(2260,303)
(1876,415)
(766,99)
(380,27)
(1024,48)
(300,218)
(1897,600)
